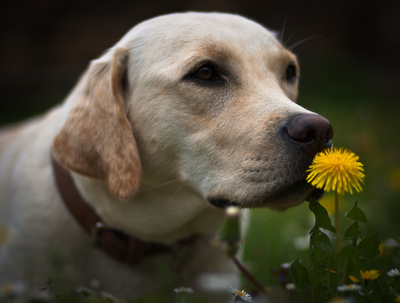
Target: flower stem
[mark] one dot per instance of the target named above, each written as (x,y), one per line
(337,223)
(251,278)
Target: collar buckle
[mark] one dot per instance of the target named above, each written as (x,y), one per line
(97,229)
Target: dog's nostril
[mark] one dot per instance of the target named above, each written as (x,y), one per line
(308,136)
(311,131)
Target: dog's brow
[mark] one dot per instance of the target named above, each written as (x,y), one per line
(195,61)
(212,53)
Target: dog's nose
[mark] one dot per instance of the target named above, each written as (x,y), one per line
(311,131)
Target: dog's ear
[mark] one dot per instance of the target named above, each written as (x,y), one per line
(97,139)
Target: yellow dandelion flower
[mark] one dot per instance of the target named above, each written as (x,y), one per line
(370,274)
(354,279)
(397,300)
(336,169)
(366,275)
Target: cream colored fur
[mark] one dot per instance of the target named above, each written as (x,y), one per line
(148,145)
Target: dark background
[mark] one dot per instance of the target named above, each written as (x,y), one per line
(45,45)
(349,67)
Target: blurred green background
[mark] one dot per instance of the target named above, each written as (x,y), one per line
(349,73)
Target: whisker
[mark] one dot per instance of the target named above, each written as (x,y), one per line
(282,33)
(177,189)
(302,41)
(158,185)
(290,37)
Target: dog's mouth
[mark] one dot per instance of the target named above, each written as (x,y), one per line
(224,203)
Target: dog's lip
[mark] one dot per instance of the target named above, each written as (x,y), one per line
(222,203)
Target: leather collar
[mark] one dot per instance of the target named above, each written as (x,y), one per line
(116,244)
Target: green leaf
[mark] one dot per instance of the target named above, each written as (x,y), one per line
(299,274)
(347,263)
(357,214)
(353,231)
(369,247)
(322,219)
(321,240)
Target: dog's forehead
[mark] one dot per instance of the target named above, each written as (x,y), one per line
(197,22)
(173,42)
(194,30)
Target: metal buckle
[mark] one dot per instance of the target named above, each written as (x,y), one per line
(97,228)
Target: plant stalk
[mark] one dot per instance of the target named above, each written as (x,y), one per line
(337,223)
(251,278)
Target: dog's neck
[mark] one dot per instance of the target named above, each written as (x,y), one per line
(163,214)
(112,240)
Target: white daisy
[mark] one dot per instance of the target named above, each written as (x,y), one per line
(240,295)
(349,287)
(290,286)
(187,290)
(393,273)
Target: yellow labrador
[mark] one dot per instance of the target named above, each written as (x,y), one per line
(186,114)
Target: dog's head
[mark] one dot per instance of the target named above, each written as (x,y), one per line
(208,99)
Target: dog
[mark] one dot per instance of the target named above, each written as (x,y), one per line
(188,113)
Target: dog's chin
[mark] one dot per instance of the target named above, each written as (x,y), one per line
(223,203)
(279,200)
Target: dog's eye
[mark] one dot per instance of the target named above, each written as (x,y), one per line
(291,73)
(206,73)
